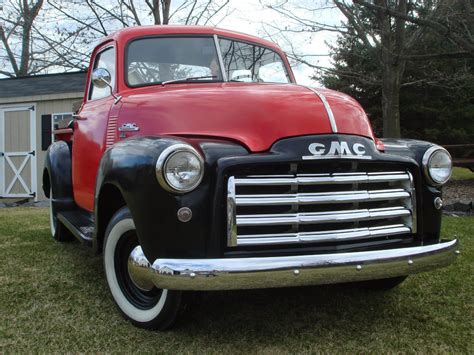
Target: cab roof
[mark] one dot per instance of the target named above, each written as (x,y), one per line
(126,34)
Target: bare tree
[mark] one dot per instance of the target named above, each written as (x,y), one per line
(397,44)
(38,36)
(94,19)
(16,23)
(450,19)
(102,17)
(390,36)
(392,29)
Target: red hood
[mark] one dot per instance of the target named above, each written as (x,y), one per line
(257,115)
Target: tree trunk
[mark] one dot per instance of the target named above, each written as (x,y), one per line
(155,9)
(166,11)
(391,102)
(392,41)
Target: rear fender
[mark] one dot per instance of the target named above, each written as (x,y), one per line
(57,175)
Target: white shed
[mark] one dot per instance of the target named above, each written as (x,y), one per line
(29,109)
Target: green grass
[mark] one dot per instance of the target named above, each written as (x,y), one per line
(53,298)
(462,174)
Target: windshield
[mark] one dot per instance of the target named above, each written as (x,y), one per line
(166,59)
(172,60)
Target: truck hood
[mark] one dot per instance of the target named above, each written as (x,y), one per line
(256,115)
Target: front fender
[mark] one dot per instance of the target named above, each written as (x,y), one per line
(129,165)
(415,149)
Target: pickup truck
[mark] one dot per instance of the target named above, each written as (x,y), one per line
(197,163)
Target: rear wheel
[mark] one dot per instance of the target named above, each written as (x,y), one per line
(148,307)
(58,231)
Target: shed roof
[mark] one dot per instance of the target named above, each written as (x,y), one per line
(43,84)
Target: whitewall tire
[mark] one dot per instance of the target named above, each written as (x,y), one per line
(150,309)
(52,218)
(58,231)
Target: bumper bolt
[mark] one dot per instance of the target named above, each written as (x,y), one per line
(457,252)
(296,272)
(359,267)
(410,262)
(438,203)
(192,275)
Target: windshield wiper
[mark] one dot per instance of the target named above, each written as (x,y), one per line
(191,78)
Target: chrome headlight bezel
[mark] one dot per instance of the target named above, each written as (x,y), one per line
(427,158)
(164,158)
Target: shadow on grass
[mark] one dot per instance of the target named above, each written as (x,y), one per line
(257,313)
(284,310)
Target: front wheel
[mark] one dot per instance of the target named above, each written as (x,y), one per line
(149,308)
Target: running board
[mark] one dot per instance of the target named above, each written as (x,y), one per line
(80,223)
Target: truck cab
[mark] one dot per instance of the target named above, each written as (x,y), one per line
(196,162)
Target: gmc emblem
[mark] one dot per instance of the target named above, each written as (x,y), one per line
(337,150)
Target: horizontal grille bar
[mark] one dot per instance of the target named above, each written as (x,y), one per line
(303,208)
(321,217)
(320,197)
(320,179)
(325,236)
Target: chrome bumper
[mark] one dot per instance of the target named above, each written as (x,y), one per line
(285,271)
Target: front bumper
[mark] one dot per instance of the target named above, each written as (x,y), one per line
(267,272)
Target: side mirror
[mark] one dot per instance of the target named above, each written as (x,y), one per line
(241,75)
(101,78)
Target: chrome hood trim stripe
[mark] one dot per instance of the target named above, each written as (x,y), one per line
(332,120)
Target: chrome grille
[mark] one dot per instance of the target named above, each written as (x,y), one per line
(312,208)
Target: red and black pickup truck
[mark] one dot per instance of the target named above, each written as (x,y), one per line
(197,163)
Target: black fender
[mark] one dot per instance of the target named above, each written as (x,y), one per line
(130,167)
(57,174)
(415,149)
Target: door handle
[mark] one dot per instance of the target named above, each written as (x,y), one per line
(79,117)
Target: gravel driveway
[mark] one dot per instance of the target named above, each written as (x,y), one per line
(458,195)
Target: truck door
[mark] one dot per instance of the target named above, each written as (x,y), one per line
(90,131)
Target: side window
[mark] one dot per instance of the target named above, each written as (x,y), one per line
(105,60)
(252,63)
(61,120)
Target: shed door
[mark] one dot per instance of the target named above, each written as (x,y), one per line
(17,152)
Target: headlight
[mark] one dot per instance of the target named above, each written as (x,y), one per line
(179,168)
(437,165)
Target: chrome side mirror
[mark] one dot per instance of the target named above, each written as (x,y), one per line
(101,78)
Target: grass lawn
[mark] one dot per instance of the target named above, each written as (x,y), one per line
(462,174)
(54,298)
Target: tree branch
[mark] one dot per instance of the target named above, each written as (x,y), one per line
(10,54)
(434,25)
